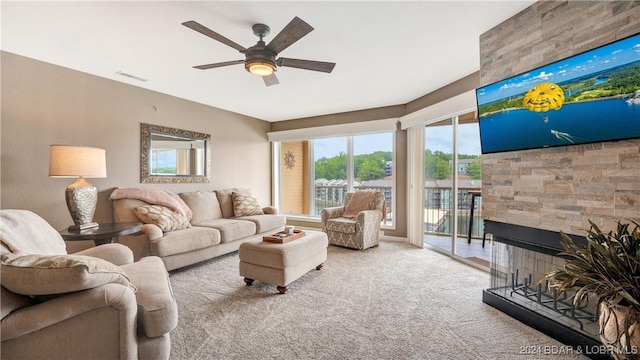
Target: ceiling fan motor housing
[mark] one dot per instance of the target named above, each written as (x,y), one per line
(259,53)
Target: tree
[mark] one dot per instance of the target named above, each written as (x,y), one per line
(475,170)
(333,168)
(370,169)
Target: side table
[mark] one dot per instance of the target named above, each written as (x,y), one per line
(103,233)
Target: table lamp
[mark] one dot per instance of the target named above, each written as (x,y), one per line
(79,161)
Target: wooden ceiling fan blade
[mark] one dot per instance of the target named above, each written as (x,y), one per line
(217,65)
(193,25)
(321,66)
(271,80)
(294,31)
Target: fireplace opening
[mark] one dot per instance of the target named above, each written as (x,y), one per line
(520,257)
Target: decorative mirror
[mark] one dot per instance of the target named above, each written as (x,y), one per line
(169,155)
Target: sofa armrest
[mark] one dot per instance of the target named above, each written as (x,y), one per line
(270,210)
(117,254)
(116,297)
(152,231)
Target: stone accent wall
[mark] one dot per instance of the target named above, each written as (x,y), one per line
(559,188)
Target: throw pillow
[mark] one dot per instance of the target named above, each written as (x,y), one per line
(226,201)
(165,218)
(37,274)
(244,205)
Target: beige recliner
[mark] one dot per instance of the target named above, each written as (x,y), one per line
(355,225)
(94,304)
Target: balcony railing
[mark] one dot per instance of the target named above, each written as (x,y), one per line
(437,207)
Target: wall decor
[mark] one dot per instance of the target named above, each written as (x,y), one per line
(289,160)
(169,155)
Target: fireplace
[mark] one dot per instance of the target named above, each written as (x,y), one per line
(520,258)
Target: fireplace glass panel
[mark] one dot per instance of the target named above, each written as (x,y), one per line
(515,273)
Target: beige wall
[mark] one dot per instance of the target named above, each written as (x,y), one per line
(559,188)
(44,104)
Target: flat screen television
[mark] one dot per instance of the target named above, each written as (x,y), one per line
(590,97)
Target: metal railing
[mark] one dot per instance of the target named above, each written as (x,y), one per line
(437,207)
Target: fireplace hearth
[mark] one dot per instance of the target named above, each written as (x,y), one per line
(520,258)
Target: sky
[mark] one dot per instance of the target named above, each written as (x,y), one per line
(619,53)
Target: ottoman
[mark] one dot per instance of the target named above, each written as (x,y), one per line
(281,264)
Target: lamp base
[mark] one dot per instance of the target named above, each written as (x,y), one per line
(83,227)
(81,201)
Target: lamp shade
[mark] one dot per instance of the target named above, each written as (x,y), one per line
(75,161)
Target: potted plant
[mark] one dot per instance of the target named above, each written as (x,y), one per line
(606,268)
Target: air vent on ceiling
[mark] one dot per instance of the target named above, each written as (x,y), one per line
(130,76)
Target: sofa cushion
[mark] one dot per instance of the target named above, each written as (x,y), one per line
(342,225)
(165,218)
(226,202)
(204,204)
(57,274)
(245,204)
(123,209)
(231,229)
(184,241)
(266,223)
(157,307)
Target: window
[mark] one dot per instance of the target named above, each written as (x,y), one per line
(340,164)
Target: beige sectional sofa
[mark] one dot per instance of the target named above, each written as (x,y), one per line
(214,229)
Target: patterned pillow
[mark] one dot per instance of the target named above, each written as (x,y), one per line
(244,205)
(37,274)
(165,218)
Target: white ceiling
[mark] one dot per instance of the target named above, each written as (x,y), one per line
(387,52)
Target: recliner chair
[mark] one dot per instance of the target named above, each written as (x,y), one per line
(94,304)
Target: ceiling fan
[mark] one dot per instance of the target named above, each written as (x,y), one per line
(260,59)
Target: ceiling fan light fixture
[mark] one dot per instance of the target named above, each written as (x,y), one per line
(261,68)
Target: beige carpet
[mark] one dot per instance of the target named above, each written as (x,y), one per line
(393,301)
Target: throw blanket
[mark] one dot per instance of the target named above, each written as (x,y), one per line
(24,232)
(155,197)
(365,200)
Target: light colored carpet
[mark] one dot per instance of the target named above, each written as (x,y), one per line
(393,301)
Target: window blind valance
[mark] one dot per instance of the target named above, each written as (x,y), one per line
(446,109)
(358,128)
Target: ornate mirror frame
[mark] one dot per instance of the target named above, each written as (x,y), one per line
(146,132)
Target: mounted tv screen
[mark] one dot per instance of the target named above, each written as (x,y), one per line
(590,97)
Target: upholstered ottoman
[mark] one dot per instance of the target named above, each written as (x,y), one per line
(281,264)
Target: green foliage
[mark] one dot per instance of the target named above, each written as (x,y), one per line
(436,165)
(475,170)
(332,168)
(607,266)
(165,170)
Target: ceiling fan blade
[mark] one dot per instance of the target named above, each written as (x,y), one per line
(212,34)
(322,66)
(271,80)
(291,33)
(217,65)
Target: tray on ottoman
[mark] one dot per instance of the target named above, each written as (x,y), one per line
(282,238)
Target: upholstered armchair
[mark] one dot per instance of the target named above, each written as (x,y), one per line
(355,225)
(94,304)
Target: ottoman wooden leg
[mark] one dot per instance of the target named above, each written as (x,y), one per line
(319,266)
(283,289)
(248,281)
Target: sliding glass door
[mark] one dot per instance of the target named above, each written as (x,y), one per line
(452,189)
